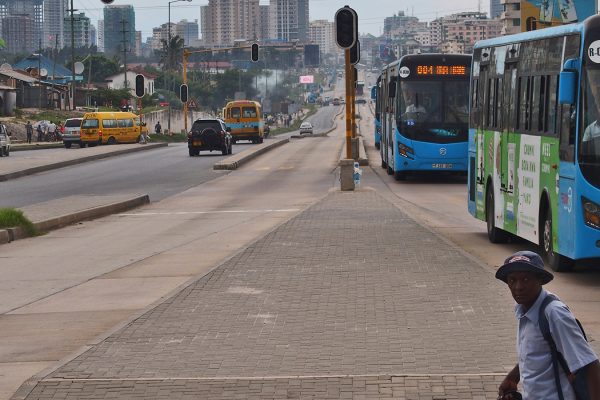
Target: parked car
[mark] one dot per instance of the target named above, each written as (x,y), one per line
(72,133)
(209,134)
(360,101)
(306,127)
(4,141)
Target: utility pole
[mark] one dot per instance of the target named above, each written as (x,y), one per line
(125,42)
(72,10)
(40,71)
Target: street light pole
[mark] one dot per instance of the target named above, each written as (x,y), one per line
(169,59)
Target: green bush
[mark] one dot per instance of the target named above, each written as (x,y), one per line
(10,218)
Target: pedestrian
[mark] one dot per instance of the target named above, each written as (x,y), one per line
(525,275)
(29,130)
(157,128)
(51,132)
(40,132)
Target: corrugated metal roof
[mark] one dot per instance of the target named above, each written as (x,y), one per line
(18,75)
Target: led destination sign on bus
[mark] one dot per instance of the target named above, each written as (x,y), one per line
(441,70)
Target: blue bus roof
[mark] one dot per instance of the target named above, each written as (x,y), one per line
(533,35)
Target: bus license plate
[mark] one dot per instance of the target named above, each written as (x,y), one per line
(441,166)
(197,143)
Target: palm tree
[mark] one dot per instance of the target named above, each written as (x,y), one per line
(171,55)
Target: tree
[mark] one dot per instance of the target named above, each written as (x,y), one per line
(171,54)
(101,67)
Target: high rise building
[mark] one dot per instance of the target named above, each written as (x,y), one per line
(225,21)
(188,30)
(322,32)
(19,33)
(55,12)
(33,26)
(119,29)
(100,36)
(496,8)
(289,20)
(82,36)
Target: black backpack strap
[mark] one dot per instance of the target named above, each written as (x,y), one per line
(557,357)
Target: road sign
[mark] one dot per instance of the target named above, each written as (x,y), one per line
(192,104)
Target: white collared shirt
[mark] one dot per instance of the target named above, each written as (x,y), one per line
(591,131)
(535,359)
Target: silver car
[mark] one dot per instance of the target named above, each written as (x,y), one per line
(72,132)
(306,127)
(4,141)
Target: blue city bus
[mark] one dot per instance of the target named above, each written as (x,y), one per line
(534,140)
(375,97)
(424,114)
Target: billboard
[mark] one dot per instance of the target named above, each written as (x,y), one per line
(307,79)
(311,55)
(538,14)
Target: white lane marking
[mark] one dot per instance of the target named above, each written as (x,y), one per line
(206,212)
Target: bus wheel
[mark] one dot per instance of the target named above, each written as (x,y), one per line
(191,151)
(111,140)
(390,171)
(81,144)
(554,260)
(495,235)
(400,176)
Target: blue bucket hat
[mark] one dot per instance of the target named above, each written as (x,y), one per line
(524,261)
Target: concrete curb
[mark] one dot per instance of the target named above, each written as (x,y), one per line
(11,234)
(61,164)
(36,146)
(240,159)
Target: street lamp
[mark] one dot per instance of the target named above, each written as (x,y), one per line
(169,56)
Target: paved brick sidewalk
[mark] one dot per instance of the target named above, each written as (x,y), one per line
(350,299)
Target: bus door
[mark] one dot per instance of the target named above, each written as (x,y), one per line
(390,121)
(509,142)
(383,101)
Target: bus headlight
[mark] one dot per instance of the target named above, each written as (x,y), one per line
(591,213)
(406,151)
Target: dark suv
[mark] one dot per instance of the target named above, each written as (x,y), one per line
(209,134)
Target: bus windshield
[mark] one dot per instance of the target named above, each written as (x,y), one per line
(434,111)
(589,143)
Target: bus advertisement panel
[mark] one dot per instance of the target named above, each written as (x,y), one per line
(538,14)
(424,114)
(534,150)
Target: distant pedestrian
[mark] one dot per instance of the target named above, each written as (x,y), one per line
(525,274)
(29,129)
(40,132)
(51,136)
(158,128)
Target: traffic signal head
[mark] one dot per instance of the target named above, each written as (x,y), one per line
(355,53)
(183,93)
(254,52)
(140,85)
(346,27)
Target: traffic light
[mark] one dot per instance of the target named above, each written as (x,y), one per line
(107,1)
(183,93)
(140,85)
(346,27)
(254,52)
(355,53)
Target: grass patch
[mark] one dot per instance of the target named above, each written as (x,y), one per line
(10,218)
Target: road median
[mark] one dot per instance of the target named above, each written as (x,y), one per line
(237,160)
(84,208)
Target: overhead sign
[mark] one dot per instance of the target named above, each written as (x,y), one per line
(307,79)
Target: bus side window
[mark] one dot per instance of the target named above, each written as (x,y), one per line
(567,133)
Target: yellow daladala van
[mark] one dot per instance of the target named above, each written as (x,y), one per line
(111,128)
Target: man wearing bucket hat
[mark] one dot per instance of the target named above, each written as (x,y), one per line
(525,275)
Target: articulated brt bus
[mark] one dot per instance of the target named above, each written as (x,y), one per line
(534,140)
(375,90)
(424,114)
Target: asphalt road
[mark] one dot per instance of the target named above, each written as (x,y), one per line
(160,173)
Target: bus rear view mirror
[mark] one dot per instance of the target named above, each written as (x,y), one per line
(566,92)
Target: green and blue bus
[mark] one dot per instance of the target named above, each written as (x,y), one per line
(534,149)
(425,114)
(377,119)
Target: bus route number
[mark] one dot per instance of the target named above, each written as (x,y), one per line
(594,51)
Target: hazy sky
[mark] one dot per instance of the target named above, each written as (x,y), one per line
(152,13)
